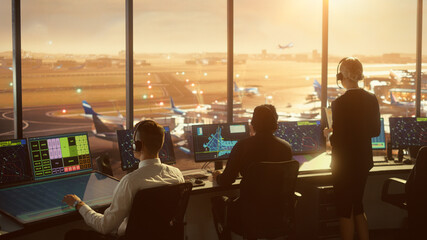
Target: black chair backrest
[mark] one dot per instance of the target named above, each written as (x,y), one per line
(416,185)
(158,213)
(268,200)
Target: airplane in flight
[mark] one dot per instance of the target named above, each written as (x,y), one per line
(250,91)
(289,45)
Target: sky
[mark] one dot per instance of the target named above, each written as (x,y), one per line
(368,27)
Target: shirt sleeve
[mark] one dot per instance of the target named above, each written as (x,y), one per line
(114,215)
(233,167)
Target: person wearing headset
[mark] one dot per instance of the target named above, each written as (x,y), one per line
(262,147)
(355,120)
(148,139)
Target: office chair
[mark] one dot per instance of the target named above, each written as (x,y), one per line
(268,200)
(158,213)
(414,200)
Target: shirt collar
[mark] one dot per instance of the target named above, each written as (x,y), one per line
(148,162)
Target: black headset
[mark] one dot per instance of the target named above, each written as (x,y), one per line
(137,145)
(339,75)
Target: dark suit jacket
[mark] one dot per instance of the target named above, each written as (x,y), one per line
(356,119)
(258,148)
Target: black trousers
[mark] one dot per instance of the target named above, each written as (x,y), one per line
(79,234)
(226,215)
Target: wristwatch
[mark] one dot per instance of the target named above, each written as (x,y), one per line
(75,203)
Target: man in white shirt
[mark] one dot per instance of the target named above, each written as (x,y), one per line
(148,140)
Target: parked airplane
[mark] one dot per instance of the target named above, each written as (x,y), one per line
(175,109)
(89,112)
(103,131)
(333,91)
(289,45)
(251,91)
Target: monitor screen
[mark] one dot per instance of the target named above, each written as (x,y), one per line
(57,155)
(42,200)
(215,141)
(303,136)
(408,132)
(378,143)
(125,141)
(14,162)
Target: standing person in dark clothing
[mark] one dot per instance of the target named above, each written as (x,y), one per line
(262,147)
(356,119)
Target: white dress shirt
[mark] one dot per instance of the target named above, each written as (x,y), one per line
(150,173)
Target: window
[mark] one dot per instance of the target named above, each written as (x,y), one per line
(278,56)
(180,56)
(72,52)
(6,81)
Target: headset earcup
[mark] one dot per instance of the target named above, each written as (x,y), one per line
(137,146)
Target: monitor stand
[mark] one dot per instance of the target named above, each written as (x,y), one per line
(218,165)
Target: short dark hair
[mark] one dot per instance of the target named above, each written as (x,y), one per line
(151,134)
(265,118)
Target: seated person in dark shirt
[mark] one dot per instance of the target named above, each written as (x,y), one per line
(262,147)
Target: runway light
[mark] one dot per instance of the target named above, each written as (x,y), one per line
(266,76)
(168,57)
(177,73)
(215,117)
(148,74)
(151,96)
(307,78)
(205,74)
(269,97)
(194,92)
(198,107)
(161,103)
(198,115)
(201,92)
(183,73)
(237,75)
(64,111)
(79,90)
(148,81)
(11,84)
(144,96)
(149,87)
(192,84)
(413,96)
(187,80)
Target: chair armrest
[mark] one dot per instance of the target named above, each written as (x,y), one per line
(396,199)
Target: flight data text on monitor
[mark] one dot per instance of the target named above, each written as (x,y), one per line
(408,132)
(14,161)
(378,143)
(59,155)
(125,141)
(303,136)
(215,141)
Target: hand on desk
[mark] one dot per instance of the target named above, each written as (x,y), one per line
(70,199)
(327,132)
(215,175)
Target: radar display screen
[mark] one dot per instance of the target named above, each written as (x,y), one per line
(303,136)
(14,162)
(378,143)
(129,162)
(408,132)
(215,141)
(58,155)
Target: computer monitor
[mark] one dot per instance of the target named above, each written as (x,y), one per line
(408,132)
(215,141)
(59,155)
(14,162)
(378,143)
(303,136)
(129,162)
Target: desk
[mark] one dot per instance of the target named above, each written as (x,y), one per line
(199,217)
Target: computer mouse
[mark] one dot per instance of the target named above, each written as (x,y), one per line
(407,161)
(198,181)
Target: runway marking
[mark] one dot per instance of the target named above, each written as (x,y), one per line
(25,123)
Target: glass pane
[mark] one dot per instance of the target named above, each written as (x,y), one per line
(278,56)
(6,87)
(424,67)
(73,52)
(180,56)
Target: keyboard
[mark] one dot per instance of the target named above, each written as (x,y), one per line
(195,176)
(391,163)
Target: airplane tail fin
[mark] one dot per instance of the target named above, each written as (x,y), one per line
(317,88)
(236,88)
(88,108)
(172,104)
(99,126)
(392,98)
